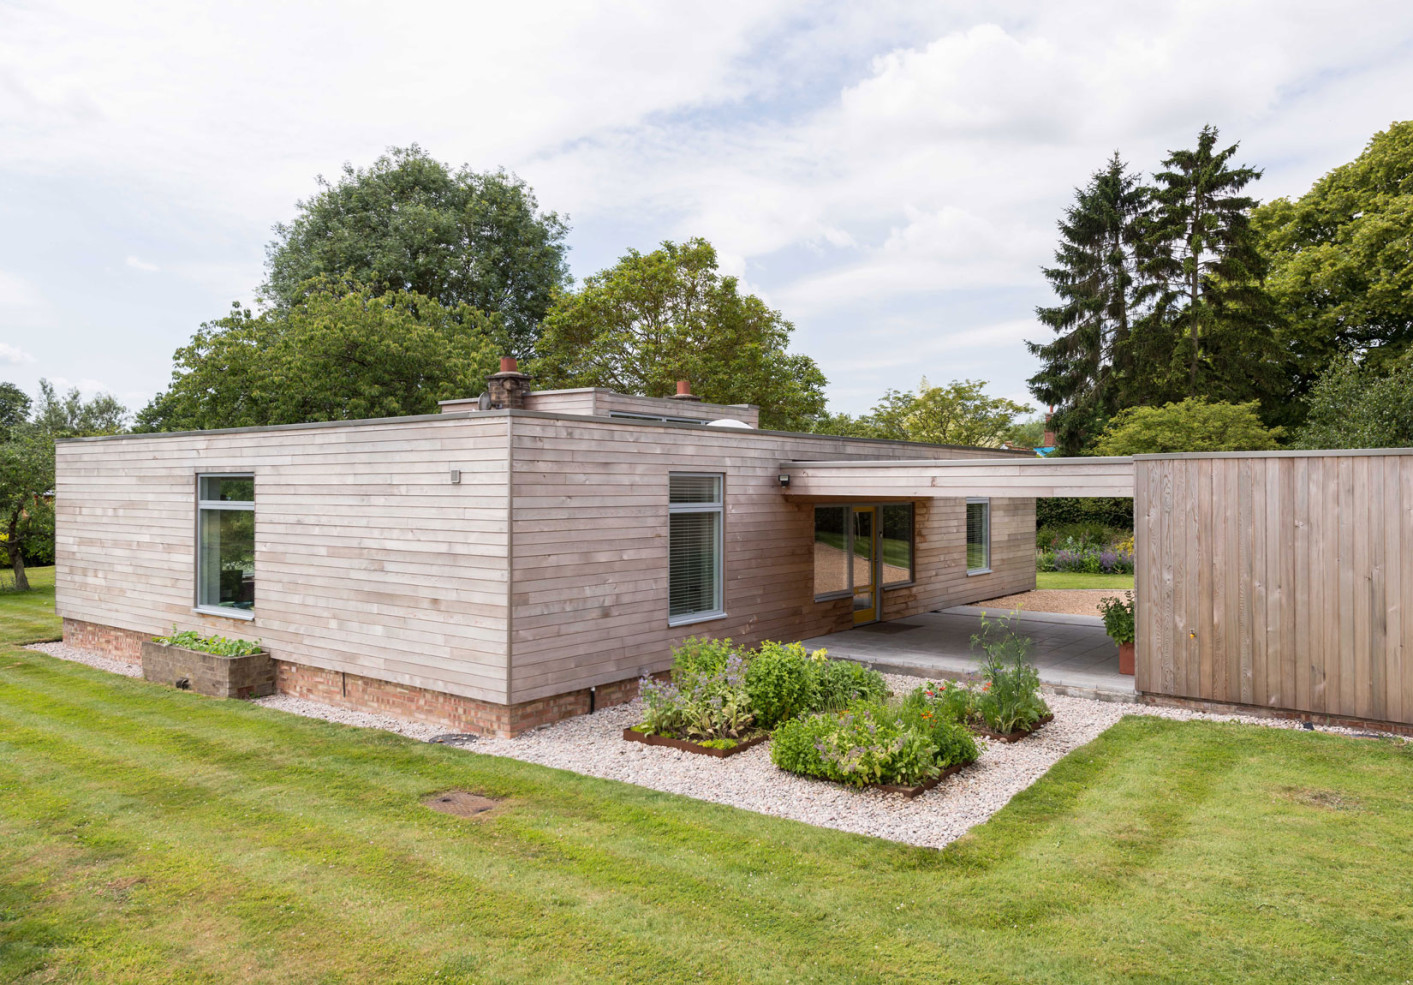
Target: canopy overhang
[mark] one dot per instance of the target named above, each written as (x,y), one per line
(1021,478)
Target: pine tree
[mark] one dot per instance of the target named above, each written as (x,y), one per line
(1094,278)
(1208,332)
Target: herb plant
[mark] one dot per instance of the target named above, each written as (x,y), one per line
(1010,698)
(222,646)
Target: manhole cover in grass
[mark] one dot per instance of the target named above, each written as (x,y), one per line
(454,739)
(459,803)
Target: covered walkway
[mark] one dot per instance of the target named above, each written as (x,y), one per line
(1070,652)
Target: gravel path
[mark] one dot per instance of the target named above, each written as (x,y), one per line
(65,652)
(593,745)
(1073,601)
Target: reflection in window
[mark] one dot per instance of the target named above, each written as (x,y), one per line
(225,542)
(897,546)
(831,568)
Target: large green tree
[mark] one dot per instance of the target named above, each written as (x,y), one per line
(957,413)
(1093,278)
(14,409)
(655,318)
(27,466)
(1342,261)
(1190,425)
(1209,332)
(335,354)
(1353,406)
(410,222)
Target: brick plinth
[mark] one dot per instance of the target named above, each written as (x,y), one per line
(123,645)
(451,711)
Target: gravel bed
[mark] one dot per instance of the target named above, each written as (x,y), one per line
(343,716)
(65,652)
(593,745)
(1072,601)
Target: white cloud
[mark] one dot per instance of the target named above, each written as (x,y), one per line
(143,265)
(14,355)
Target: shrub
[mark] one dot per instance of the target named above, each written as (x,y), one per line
(706,699)
(839,682)
(1061,510)
(219,645)
(872,742)
(780,683)
(1010,697)
(1118,617)
(1115,559)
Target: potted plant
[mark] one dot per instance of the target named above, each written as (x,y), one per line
(1118,623)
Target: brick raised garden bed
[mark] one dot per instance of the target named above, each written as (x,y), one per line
(1014,736)
(686,745)
(251,676)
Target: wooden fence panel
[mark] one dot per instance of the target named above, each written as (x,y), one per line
(1278,579)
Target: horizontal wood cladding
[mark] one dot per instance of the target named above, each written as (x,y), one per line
(1027,478)
(589,556)
(1281,581)
(368,559)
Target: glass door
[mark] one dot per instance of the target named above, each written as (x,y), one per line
(863,562)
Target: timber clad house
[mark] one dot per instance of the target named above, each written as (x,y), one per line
(524,557)
(496,569)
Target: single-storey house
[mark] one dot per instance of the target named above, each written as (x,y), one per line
(516,558)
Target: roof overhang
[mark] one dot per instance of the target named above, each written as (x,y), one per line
(1023,478)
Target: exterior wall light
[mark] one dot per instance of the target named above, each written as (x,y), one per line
(784,481)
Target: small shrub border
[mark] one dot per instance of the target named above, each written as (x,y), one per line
(221,646)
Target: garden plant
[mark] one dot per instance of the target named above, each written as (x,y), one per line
(221,646)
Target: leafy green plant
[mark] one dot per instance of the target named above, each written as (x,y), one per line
(222,646)
(1010,699)
(706,698)
(780,682)
(872,741)
(839,682)
(1119,617)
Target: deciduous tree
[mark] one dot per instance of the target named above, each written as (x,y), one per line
(336,354)
(1353,406)
(1191,425)
(409,222)
(656,318)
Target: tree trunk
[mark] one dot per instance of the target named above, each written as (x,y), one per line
(17,556)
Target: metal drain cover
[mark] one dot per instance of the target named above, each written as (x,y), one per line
(455,739)
(459,803)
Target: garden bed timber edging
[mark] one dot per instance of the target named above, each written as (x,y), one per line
(911,792)
(686,745)
(1017,735)
(250,676)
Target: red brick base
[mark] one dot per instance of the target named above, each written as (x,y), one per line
(454,712)
(123,645)
(357,693)
(1260,711)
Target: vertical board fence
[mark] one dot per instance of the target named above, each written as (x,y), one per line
(1282,580)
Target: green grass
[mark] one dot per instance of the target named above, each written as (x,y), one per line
(28,616)
(1073,579)
(151,835)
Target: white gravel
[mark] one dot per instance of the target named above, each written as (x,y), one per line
(593,745)
(65,652)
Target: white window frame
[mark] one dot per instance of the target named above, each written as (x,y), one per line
(203,505)
(986,537)
(719,508)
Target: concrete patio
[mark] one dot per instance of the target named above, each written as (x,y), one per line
(1072,653)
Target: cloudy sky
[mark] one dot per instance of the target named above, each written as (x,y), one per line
(886,174)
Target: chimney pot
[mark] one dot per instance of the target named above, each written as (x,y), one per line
(684,392)
(508,364)
(508,388)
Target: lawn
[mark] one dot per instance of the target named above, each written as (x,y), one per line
(1074,579)
(28,616)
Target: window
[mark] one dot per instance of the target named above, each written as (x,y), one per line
(978,536)
(842,564)
(896,550)
(694,548)
(225,544)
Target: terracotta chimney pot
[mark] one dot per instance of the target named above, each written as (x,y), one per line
(684,392)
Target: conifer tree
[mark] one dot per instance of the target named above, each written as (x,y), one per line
(1209,331)
(1094,278)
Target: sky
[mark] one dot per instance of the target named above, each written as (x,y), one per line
(888,175)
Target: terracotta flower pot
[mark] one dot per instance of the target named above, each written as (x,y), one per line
(1126,658)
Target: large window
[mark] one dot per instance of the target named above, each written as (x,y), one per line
(694,547)
(225,544)
(978,536)
(843,564)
